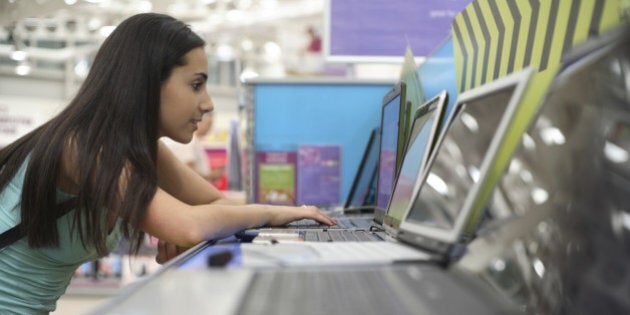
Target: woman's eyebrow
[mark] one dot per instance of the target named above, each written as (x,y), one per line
(203,75)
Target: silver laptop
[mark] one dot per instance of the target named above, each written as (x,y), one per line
(443,206)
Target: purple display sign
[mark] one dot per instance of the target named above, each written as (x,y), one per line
(379,30)
(319,174)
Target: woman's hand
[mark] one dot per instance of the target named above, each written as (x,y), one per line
(167,251)
(282,215)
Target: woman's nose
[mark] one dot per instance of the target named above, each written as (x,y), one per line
(207,105)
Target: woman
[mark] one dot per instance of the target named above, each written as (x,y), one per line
(101,159)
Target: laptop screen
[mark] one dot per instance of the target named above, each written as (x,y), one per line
(458,162)
(362,183)
(423,135)
(392,110)
(465,151)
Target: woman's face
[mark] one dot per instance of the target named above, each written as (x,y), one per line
(184,98)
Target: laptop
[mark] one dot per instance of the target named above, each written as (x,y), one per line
(360,193)
(425,128)
(441,205)
(391,143)
(388,138)
(441,213)
(423,135)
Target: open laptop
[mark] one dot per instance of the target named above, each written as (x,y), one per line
(423,135)
(358,199)
(391,143)
(389,136)
(425,129)
(442,204)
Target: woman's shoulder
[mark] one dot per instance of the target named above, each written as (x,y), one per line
(10,196)
(67,181)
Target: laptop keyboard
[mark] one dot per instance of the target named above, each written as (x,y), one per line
(340,236)
(342,223)
(370,290)
(270,288)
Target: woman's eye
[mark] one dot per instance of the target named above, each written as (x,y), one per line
(197,86)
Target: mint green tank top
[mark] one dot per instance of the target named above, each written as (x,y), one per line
(33,279)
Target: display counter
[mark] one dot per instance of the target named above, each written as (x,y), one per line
(209,279)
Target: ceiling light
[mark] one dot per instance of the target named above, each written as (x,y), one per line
(94,23)
(247,44)
(143,6)
(106,30)
(225,53)
(248,73)
(82,68)
(19,55)
(273,52)
(23,69)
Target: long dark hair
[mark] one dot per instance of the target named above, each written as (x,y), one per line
(112,123)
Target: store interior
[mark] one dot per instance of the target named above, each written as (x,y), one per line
(271,60)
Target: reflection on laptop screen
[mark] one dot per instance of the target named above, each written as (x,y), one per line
(456,166)
(388,151)
(422,135)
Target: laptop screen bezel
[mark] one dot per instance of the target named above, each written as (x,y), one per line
(428,236)
(398,90)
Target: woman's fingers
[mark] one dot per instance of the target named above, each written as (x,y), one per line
(319,215)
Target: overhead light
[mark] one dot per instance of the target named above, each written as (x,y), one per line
(268,4)
(143,6)
(19,55)
(247,44)
(82,68)
(244,4)
(248,73)
(94,24)
(106,30)
(23,69)
(273,52)
(234,15)
(225,52)
(70,2)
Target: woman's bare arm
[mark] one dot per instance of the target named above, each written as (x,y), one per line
(182,182)
(186,209)
(184,225)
